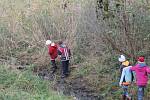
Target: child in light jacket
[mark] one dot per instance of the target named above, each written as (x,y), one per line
(126,77)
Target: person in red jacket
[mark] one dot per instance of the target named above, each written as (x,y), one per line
(64,54)
(52,51)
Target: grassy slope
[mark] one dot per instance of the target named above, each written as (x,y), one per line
(16,85)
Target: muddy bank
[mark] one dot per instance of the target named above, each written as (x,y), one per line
(77,87)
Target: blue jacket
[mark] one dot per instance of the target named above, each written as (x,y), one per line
(126,75)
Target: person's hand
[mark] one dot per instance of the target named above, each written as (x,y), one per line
(59,57)
(120,84)
(134,82)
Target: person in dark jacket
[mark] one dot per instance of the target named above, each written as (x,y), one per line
(52,51)
(64,54)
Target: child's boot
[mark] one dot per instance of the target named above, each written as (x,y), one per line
(129,98)
(123,97)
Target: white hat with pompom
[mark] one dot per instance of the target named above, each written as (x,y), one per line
(122,58)
(48,42)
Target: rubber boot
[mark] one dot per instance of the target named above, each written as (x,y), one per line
(123,97)
(129,98)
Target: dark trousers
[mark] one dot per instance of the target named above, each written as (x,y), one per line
(140,92)
(125,90)
(65,67)
(54,67)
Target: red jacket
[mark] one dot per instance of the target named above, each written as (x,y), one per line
(64,52)
(52,50)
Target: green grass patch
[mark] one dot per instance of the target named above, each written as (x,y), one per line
(25,86)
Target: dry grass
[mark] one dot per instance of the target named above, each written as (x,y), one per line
(26,25)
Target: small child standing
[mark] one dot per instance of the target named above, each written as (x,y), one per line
(141,70)
(126,77)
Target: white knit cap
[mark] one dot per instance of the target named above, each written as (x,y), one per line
(122,58)
(48,42)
